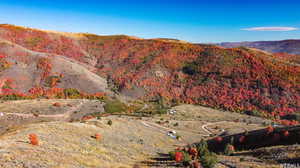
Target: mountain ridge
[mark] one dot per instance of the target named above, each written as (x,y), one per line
(290,46)
(235,79)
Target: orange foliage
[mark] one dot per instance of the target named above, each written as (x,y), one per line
(178,156)
(97,136)
(33,139)
(57,104)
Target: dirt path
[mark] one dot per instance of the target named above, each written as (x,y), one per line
(61,117)
(204,127)
(165,130)
(160,128)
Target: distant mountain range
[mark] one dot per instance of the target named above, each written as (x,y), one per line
(286,46)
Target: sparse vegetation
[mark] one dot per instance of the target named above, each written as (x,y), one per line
(114,106)
(72,93)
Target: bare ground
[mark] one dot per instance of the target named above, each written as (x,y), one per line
(128,142)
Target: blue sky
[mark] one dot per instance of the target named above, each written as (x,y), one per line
(191,20)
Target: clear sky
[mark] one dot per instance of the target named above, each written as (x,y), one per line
(190,20)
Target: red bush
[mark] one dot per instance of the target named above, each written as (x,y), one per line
(231,148)
(270,129)
(242,139)
(33,139)
(97,136)
(178,156)
(57,104)
(219,139)
(88,117)
(193,152)
(285,133)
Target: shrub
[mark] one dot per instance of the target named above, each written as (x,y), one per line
(33,139)
(178,137)
(285,133)
(72,93)
(87,117)
(242,139)
(179,156)
(161,110)
(172,155)
(208,159)
(219,139)
(57,104)
(253,113)
(202,148)
(270,129)
(98,136)
(109,122)
(186,158)
(193,152)
(229,149)
(114,106)
(36,114)
(13,96)
(52,81)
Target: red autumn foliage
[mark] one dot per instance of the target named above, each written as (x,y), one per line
(178,156)
(235,79)
(242,139)
(33,139)
(88,117)
(231,148)
(57,104)
(285,133)
(45,65)
(193,152)
(98,136)
(288,122)
(54,81)
(270,129)
(37,91)
(219,139)
(2,56)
